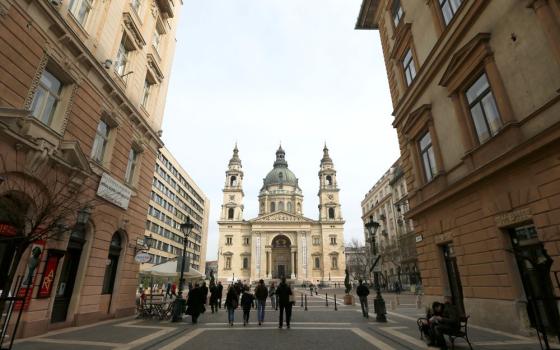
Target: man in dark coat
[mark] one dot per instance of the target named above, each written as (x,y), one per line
(194,303)
(363,293)
(447,323)
(214,297)
(220,292)
(283,292)
(261,293)
(204,289)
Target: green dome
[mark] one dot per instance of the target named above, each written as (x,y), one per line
(280,174)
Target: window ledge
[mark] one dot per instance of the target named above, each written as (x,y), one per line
(22,124)
(98,168)
(75,23)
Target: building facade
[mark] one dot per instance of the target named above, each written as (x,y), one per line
(386,203)
(280,241)
(175,196)
(474,86)
(82,93)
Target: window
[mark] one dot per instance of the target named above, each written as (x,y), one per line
(146,93)
(280,205)
(230,213)
(397,12)
(233,181)
(331,213)
(100,142)
(316,240)
(449,9)
(47,97)
(246,240)
(245,263)
(329,180)
(229,240)
(317,264)
(156,39)
(484,112)
(289,205)
(228,263)
(427,156)
(333,240)
(334,263)
(80,9)
(408,67)
(122,57)
(131,165)
(136,5)
(272,207)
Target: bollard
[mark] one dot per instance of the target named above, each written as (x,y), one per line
(397,300)
(326,300)
(418,301)
(302,300)
(335,308)
(305,302)
(392,305)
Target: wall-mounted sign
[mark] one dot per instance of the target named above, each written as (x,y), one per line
(142,257)
(47,281)
(419,238)
(114,191)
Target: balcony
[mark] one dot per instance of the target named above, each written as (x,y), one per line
(166,8)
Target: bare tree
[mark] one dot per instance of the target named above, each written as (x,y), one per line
(359,260)
(38,208)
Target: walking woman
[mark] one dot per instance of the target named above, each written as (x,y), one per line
(272,295)
(232,302)
(261,293)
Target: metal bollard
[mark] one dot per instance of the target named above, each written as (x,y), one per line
(326,300)
(335,308)
(301,299)
(305,302)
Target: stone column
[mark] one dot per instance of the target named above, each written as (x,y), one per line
(293,256)
(268,263)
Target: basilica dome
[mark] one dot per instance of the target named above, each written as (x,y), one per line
(280,174)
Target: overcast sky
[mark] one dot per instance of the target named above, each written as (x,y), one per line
(261,72)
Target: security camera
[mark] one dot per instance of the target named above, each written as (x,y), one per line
(55,2)
(107,64)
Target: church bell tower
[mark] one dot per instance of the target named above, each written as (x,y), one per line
(329,203)
(232,207)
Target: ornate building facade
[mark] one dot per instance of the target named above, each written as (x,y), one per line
(280,241)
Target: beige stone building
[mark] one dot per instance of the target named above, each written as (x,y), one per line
(82,93)
(474,86)
(386,203)
(175,196)
(280,241)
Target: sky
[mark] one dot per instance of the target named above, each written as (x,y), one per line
(261,72)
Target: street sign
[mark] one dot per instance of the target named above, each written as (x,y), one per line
(142,257)
(419,238)
(187,263)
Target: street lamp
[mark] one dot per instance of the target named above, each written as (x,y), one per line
(83,215)
(378,302)
(186,228)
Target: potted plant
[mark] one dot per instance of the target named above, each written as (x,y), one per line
(348,298)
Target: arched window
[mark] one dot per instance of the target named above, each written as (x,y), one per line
(245,263)
(230,213)
(272,207)
(334,263)
(112,263)
(329,180)
(280,205)
(289,205)
(299,208)
(331,213)
(233,181)
(317,263)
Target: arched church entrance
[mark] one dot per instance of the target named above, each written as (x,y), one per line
(280,253)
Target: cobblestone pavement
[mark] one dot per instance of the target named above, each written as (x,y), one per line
(320,327)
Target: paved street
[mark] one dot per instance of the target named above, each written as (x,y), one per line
(320,327)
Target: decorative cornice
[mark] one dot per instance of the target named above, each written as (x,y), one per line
(130,24)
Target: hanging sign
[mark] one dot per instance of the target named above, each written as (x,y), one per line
(47,280)
(142,257)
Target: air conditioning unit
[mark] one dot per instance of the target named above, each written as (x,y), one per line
(55,2)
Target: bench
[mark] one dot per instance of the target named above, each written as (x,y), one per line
(422,322)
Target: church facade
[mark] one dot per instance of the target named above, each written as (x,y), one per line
(281,241)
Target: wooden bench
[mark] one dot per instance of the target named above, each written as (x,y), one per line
(461,333)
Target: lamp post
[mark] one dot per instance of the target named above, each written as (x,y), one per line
(378,302)
(186,228)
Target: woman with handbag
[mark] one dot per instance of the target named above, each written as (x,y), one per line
(285,301)
(232,302)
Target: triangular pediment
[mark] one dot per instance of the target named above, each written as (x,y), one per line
(281,216)
(72,153)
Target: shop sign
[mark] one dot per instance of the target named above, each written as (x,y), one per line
(142,257)
(114,191)
(49,275)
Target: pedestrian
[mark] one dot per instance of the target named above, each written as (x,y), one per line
(447,323)
(311,288)
(168,289)
(232,301)
(214,297)
(204,289)
(272,295)
(363,292)
(285,295)
(220,291)
(397,287)
(174,289)
(247,302)
(194,303)
(261,293)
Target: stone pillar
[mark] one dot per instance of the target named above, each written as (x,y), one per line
(268,264)
(293,255)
